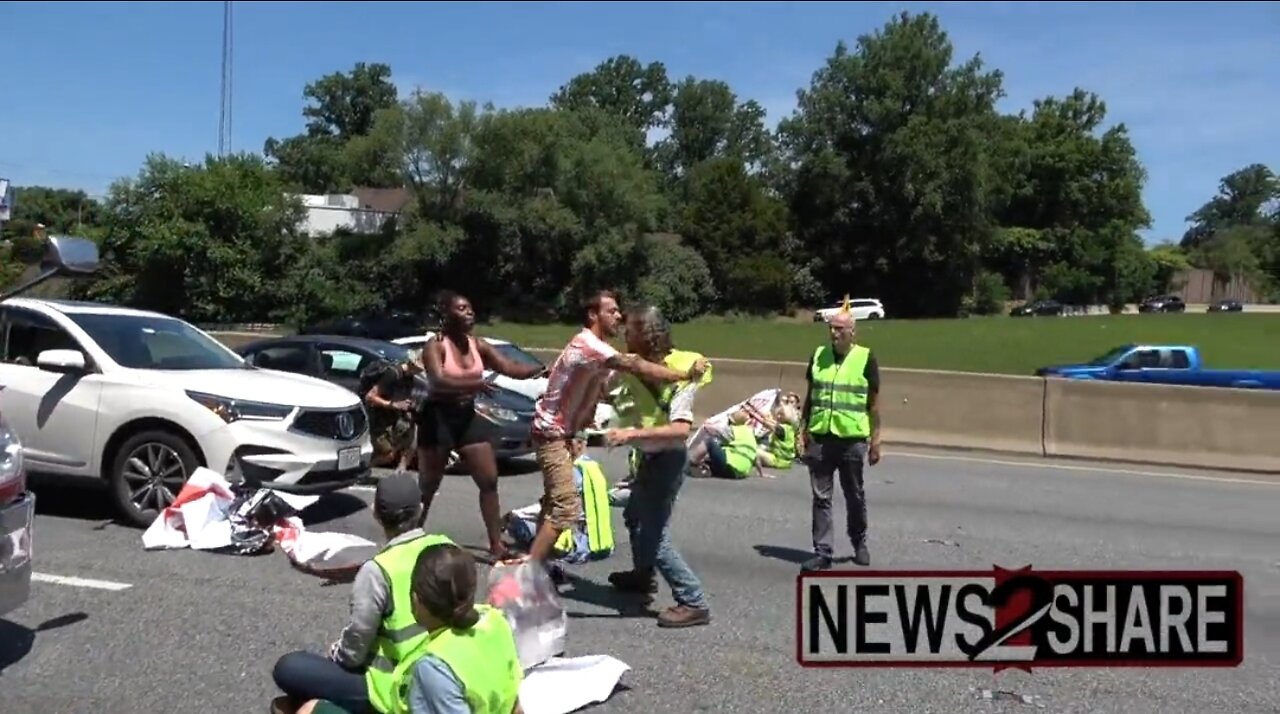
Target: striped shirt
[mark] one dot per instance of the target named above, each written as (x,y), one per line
(573,387)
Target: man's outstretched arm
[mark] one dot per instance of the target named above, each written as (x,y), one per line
(634,364)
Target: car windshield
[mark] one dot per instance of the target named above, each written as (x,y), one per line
(1111,356)
(517,355)
(150,342)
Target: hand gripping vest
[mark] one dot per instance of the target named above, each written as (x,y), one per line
(838,396)
(740,452)
(650,410)
(595,506)
(482,658)
(400,632)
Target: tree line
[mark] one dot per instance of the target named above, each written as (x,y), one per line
(896,177)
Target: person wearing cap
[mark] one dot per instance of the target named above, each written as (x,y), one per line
(468,663)
(840,427)
(359,672)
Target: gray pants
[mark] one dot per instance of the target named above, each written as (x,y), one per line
(827,455)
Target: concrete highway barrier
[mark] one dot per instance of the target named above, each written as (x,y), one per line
(1229,429)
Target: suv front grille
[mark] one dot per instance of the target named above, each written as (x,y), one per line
(328,423)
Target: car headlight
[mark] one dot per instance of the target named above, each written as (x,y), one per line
(10,454)
(230,410)
(495,413)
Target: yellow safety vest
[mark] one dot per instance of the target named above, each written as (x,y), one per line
(483,659)
(783,447)
(648,410)
(740,452)
(838,396)
(399,634)
(595,507)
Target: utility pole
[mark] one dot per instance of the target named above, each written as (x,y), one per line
(224,100)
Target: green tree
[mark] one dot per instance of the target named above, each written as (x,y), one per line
(892,147)
(341,109)
(637,94)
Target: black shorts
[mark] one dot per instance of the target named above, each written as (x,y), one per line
(449,425)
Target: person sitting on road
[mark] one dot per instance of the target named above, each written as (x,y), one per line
(737,459)
(591,538)
(467,662)
(388,392)
(357,675)
(779,452)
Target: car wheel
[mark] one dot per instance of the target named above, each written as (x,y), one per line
(147,474)
(874,316)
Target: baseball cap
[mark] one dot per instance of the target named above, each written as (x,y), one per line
(396,495)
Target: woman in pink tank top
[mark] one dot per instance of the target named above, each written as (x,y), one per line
(455,363)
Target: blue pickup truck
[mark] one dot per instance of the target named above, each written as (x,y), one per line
(1162,364)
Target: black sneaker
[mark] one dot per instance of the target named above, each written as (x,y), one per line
(816,563)
(631,581)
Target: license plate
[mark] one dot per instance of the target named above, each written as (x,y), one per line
(348,458)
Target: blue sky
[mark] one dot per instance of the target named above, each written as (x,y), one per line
(92,89)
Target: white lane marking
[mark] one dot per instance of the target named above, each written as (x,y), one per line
(363,489)
(1089,469)
(79,582)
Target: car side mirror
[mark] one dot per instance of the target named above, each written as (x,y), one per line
(70,256)
(67,361)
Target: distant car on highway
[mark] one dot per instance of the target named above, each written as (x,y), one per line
(1039,308)
(1226,306)
(1163,303)
(605,417)
(1162,364)
(338,359)
(862,309)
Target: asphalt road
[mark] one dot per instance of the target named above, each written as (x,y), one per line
(199,632)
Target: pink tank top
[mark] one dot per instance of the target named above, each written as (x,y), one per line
(453,366)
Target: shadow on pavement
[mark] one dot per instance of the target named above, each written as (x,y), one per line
(332,507)
(16,641)
(624,605)
(71,497)
(783,553)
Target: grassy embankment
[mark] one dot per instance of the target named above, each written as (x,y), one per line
(999,345)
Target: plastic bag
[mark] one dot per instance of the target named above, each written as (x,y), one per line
(527,596)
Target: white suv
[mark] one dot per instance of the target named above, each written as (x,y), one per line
(142,399)
(862,309)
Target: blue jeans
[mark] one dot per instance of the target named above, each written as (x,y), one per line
(648,519)
(717,462)
(306,675)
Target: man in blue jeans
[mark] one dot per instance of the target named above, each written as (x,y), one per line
(664,414)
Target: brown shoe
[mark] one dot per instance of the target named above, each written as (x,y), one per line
(282,705)
(684,616)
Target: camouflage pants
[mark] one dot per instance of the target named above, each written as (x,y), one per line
(394,438)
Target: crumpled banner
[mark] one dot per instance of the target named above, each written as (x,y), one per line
(210,514)
(759,405)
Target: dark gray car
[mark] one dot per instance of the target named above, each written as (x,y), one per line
(507,415)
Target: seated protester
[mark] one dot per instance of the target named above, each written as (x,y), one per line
(388,393)
(356,675)
(736,459)
(780,451)
(591,538)
(467,662)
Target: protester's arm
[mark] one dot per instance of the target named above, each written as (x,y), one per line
(377,397)
(802,434)
(354,648)
(435,690)
(496,362)
(634,364)
(432,361)
(680,426)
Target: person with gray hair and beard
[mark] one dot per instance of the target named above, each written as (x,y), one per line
(658,426)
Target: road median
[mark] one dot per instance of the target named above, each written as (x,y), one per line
(1199,427)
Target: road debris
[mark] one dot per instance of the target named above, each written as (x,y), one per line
(1005,695)
(939,541)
